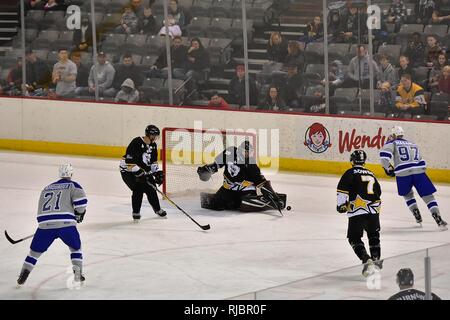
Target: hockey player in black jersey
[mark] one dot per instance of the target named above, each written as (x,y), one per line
(244,187)
(358,195)
(405,281)
(139,167)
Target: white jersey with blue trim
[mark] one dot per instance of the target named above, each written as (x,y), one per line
(404,155)
(58,203)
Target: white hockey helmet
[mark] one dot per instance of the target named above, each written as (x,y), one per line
(65,170)
(397,131)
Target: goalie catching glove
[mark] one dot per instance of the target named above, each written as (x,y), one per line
(205,172)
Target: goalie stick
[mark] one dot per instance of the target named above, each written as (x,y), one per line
(12,241)
(205,227)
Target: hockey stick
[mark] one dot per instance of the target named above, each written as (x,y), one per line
(205,227)
(16,241)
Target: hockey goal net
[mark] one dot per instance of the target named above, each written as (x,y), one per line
(184,150)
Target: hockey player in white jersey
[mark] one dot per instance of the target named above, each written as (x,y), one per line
(409,169)
(62,205)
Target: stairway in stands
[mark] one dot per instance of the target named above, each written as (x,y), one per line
(291,24)
(9,23)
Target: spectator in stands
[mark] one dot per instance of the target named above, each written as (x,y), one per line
(128,22)
(127,70)
(82,73)
(14,78)
(64,75)
(277,48)
(314,29)
(439,17)
(358,69)
(444,81)
(178,55)
(53,5)
(386,100)
(424,11)
(82,38)
(387,72)
(334,26)
(397,14)
(295,55)
(147,24)
(127,92)
(177,13)
(317,104)
(217,101)
(39,76)
(273,100)
(410,97)
(138,8)
(405,68)
(436,72)
(432,51)
(352,24)
(197,60)
(105,75)
(335,76)
(174,29)
(34,4)
(293,87)
(415,50)
(236,88)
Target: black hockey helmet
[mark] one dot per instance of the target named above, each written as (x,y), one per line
(405,277)
(152,130)
(358,157)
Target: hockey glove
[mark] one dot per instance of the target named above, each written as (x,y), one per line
(390,171)
(159,177)
(79,216)
(343,208)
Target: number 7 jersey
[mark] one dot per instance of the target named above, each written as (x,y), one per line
(58,203)
(405,156)
(359,188)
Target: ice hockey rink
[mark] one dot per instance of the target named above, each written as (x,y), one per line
(302,255)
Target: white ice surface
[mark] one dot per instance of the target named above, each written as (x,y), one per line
(172,258)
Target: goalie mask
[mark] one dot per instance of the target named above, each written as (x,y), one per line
(245,150)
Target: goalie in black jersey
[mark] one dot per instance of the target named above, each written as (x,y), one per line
(358,195)
(244,187)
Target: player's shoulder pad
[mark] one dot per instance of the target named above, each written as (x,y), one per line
(76,185)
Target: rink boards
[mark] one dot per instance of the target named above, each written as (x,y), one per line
(306,143)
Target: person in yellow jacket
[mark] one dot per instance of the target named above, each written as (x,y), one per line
(410,96)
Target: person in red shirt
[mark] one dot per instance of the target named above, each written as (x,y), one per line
(218,102)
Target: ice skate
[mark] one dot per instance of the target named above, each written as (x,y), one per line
(418,217)
(161,213)
(23,277)
(78,275)
(136,216)
(369,268)
(441,223)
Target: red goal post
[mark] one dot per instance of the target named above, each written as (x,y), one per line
(183,150)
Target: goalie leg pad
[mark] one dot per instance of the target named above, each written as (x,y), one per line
(254,203)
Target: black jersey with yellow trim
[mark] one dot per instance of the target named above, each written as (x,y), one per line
(362,189)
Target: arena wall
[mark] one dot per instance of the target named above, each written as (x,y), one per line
(104,129)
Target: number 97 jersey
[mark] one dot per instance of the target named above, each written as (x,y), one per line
(360,189)
(405,156)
